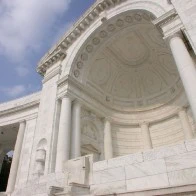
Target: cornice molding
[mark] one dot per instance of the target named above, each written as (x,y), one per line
(19,108)
(58,52)
(165,18)
(169,24)
(71,87)
(20,104)
(52,74)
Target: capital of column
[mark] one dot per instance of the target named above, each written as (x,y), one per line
(66,96)
(182,109)
(77,103)
(175,35)
(107,119)
(169,23)
(144,123)
(22,122)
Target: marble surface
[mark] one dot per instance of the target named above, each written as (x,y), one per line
(125,86)
(164,167)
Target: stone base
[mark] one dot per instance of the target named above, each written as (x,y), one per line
(188,190)
(170,170)
(74,189)
(160,171)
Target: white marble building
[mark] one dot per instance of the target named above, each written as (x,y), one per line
(116,114)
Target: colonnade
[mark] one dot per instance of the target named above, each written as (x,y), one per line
(69,138)
(69,135)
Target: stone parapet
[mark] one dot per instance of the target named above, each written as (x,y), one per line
(169,168)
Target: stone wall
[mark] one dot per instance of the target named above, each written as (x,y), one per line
(165,167)
(167,132)
(128,139)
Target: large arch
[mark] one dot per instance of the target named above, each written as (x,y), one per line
(157,9)
(130,42)
(87,62)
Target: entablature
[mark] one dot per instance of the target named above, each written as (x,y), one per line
(20,104)
(68,86)
(169,24)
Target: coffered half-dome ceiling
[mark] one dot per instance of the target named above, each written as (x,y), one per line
(128,64)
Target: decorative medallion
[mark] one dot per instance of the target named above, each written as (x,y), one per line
(96,41)
(119,23)
(129,19)
(103,34)
(111,27)
(80,65)
(76,73)
(89,48)
(138,17)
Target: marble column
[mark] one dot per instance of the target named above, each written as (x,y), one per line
(146,135)
(16,158)
(108,148)
(64,134)
(186,127)
(186,68)
(76,130)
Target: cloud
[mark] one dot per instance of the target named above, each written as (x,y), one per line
(18,90)
(26,25)
(14,91)
(22,70)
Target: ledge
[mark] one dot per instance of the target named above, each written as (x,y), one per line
(19,104)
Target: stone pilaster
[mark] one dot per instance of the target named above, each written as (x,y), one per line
(186,127)
(146,135)
(108,147)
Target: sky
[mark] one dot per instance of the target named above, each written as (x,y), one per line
(28,29)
